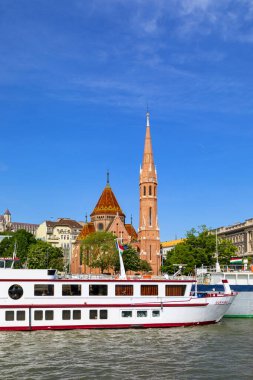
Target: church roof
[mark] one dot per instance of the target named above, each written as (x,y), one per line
(88,228)
(131,231)
(107,204)
(7,212)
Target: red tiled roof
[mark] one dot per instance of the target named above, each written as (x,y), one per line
(88,228)
(107,204)
(131,231)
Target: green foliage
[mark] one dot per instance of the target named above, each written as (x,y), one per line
(199,248)
(132,261)
(42,255)
(22,239)
(99,251)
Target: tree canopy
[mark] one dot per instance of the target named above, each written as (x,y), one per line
(197,249)
(132,261)
(43,255)
(99,251)
(22,239)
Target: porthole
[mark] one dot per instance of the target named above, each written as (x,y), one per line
(15,292)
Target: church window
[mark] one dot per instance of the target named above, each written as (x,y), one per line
(150,190)
(100,226)
(154,191)
(150,216)
(144,190)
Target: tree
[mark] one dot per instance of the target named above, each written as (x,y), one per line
(199,248)
(42,255)
(22,239)
(99,251)
(132,261)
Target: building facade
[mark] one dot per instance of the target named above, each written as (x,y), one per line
(240,234)
(6,224)
(149,233)
(62,234)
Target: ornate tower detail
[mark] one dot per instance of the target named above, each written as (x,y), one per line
(149,233)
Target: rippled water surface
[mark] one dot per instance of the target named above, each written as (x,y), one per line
(223,351)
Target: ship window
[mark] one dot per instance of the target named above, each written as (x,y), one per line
(142,313)
(126,314)
(9,315)
(71,290)
(155,313)
(49,315)
(43,290)
(66,315)
(103,314)
(174,290)
(93,314)
(124,290)
(76,314)
(98,290)
(20,315)
(15,292)
(149,290)
(38,315)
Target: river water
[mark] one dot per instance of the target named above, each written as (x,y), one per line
(222,351)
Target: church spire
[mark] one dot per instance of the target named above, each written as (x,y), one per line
(149,235)
(107,179)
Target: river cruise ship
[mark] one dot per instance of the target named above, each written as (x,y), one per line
(240,281)
(41,300)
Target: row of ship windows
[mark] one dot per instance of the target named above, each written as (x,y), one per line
(16,291)
(67,315)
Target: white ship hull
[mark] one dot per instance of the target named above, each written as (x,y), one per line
(240,282)
(100,303)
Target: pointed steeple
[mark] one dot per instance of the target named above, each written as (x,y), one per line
(149,236)
(108,179)
(148,165)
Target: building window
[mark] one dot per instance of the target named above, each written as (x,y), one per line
(150,253)
(150,190)
(174,290)
(43,290)
(71,290)
(126,314)
(150,216)
(9,315)
(149,290)
(98,290)
(154,191)
(124,290)
(100,226)
(144,190)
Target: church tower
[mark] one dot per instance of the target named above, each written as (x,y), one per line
(149,233)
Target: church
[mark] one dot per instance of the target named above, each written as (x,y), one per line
(108,216)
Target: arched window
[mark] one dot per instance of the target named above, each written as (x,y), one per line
(154,191)
(150,216)
(144,190)
(150,190)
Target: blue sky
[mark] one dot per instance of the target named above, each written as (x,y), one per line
(75,80)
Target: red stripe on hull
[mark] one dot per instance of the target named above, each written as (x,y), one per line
(57,306)
(114,326)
